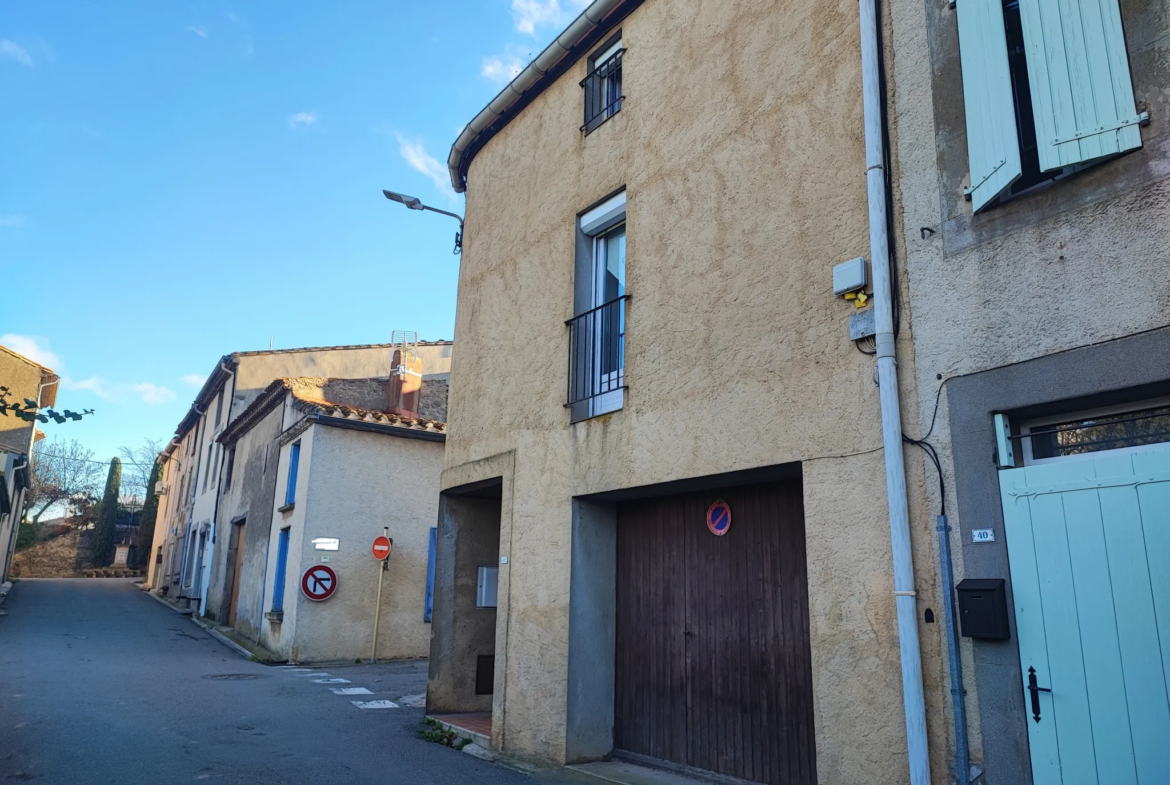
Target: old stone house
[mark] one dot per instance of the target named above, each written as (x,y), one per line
(184,550)
(321,468)
(1034,142)
(663,529)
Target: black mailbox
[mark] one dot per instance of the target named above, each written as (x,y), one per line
(983,608)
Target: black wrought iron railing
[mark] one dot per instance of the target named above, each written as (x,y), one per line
(597,351)
(603,91)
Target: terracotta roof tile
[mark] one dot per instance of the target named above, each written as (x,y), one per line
(330,409)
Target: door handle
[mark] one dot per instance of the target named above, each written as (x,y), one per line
(1032,688)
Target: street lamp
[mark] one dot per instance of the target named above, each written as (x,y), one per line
(413,203)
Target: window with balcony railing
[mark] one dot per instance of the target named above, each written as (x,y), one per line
(597,334)
(603,86)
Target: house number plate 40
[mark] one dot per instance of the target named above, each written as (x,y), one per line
(983,535)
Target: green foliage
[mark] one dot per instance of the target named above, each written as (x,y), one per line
(147,519)
(26,536)
(107,522)
(432,730)
(31,411)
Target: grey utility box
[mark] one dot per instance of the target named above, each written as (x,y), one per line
(983,608)
(849,276)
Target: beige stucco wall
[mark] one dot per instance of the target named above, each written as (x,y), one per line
(744,174)
(1079,263)
(23,380)
(351,484)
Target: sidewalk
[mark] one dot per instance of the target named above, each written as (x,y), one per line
(225,635)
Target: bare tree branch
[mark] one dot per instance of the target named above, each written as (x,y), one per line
(137,463)
(61,472)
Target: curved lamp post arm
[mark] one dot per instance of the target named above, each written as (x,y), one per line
(414,203)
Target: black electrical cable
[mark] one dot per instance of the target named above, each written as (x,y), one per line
(887,176)
(928,448)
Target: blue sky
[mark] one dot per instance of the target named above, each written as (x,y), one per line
(184,180)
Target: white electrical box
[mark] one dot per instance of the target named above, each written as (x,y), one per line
(485,587)
(849,276)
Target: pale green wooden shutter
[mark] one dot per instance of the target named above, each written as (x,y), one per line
(993,149)
(1082,96)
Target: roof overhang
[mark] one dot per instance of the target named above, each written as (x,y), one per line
(598,18)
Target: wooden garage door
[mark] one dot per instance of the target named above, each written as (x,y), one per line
(713,656)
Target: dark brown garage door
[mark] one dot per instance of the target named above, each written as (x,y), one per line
(713,654)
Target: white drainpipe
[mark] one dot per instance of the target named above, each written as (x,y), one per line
(887,366)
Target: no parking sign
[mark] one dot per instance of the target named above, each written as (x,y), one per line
(719,517)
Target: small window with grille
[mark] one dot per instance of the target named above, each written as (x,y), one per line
(603,84)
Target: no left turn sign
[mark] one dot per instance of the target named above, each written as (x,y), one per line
(319,582)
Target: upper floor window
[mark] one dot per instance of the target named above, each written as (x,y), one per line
(1045,93)
(294,459)
(603,84)
(597,333)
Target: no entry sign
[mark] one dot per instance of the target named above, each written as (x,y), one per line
(319,582)
(719,517)
(381,548)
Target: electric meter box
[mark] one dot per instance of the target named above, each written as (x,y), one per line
(983,609)
(849,276)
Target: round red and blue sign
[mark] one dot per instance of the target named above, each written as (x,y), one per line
(719,518)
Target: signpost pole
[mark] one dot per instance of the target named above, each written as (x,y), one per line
(378,603)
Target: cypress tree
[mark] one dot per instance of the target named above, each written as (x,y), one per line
(146,521)
(107,523)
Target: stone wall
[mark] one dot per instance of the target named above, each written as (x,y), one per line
(55,558)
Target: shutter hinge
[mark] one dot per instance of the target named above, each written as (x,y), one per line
(971,188)
(1141,119)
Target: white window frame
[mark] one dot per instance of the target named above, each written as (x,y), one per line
(598,224)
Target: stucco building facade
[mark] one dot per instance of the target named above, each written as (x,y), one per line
(342,469)
(648,329)
(195,461)
(25,380)
(1040,326)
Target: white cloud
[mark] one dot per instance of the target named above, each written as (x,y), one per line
(15,51)
(193,379)
(34,348)
(94,384)
(14,221)
(530,14)
(302,118)
(501,68)
(153,393)
(198,30)
(421,161)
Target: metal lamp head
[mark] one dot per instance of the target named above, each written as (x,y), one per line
(410,201)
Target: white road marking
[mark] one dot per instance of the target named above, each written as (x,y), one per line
(331,681)
(291,669)
(313,673)
(350,691)
(382,704)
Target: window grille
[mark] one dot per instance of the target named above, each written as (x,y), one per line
(603,91)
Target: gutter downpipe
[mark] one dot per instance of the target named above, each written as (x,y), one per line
(914,703)
(958,703)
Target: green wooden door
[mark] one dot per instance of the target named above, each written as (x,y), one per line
(1089,548)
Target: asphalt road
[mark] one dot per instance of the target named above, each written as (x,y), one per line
(100,683)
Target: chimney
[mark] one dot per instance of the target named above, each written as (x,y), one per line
(405,387)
